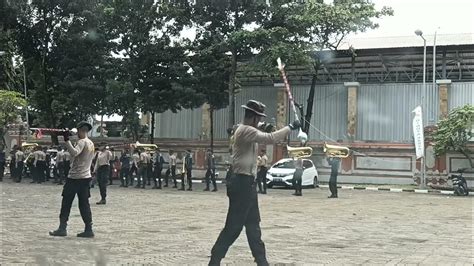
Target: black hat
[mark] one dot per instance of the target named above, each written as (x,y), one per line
(256,107)
(84,123)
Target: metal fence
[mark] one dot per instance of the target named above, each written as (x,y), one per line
(384,111)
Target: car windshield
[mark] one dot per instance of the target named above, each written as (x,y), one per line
(287,164)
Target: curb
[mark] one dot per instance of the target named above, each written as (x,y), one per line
(395,190)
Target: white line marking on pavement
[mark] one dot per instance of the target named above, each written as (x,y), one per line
(425,191)
(372,188)
(396,190)
(447,192)
(344,187)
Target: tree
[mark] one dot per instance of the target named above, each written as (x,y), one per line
(296,32)
(11,106)
(153,63)
(226,26)
(64,48)
(455,131)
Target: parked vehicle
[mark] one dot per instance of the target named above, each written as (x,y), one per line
(281,173)
(459,183)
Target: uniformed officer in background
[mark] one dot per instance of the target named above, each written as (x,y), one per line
(142,168)
(211,171)
(172,164)
(134,169)
(158,168)
(125,166)
(334,163)
(262,166)
(188,167)
(39,165)
(60,165)
(102,166)
(19,165)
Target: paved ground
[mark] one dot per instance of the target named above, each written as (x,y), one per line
(176,228)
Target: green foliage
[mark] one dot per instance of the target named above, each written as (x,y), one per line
(455,131)
(11,106)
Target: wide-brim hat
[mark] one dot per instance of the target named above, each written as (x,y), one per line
(256,107)
(84,124)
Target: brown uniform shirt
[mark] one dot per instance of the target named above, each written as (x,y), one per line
(245,147)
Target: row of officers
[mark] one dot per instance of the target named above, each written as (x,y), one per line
(139,169)
(37,165)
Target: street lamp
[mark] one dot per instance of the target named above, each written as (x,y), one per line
(423,169)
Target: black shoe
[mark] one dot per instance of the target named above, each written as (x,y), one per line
(215,262)
(121,185)
(32,182)
(332,197)
(148,184)
(137,186)
(154,187)
(181,189)
(165,186)
(101,202)
(214,190)
(86,234)
(175,186)
(189,189)
(58,232)
(206,189)
(143,187)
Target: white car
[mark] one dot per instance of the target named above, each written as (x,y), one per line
(281,173)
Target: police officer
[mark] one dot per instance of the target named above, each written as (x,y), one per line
(142,169)
(262,162)
(297,176)
(60,165)
(102,166)
(3,161)
(67,164)
(159,161)
(334,163)
(19,164)
(78,182)
(125,166)
(149,169)
(241,188)
(39,165)
(134,168)
(47,160)
(188,166)
(211,171)
(172,165)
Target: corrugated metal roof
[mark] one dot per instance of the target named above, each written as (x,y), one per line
(407,41)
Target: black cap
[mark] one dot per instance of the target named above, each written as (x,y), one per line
(84,124)
(256,107)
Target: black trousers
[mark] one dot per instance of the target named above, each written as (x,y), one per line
(39,172)
(102,180)
(262,178)
(61,172)
(297,180)
(157,174)
(19,171)
(212,174)
(133,170)
(142,174)
(70,189)
(173,175)
(189,178)
(243,211)
(124,176)
(333,184)
(2,170)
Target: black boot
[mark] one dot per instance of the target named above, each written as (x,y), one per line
(214,261)
(101,202)
(207,189)
(215,189)
(61,231)
(88,233)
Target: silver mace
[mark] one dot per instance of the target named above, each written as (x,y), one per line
(302,136)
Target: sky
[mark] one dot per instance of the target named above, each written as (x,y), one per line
(451,16)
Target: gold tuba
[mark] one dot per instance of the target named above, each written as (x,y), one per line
(299,152)
(336,151)
(146,147)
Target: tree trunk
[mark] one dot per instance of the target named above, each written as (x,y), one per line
(232,90)
(466,153)
(309,107)
(310,101)
(152,133)
(211,116)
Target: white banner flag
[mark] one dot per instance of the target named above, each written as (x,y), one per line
(418,132)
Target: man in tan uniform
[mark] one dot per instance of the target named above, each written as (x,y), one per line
(241,187)
(262,164)
(101,168)
(78,181)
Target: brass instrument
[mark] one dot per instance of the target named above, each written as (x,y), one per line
(299,152)
(146,147)
(336,151)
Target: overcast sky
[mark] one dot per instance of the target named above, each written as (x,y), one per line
(451,16)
